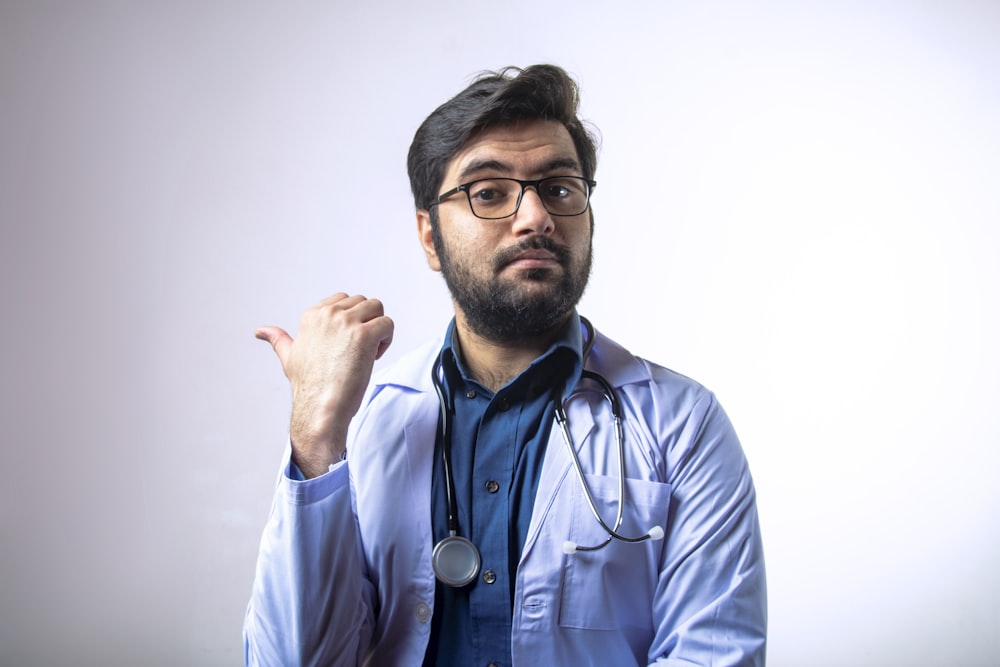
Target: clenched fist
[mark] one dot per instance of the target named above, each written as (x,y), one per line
(328,366)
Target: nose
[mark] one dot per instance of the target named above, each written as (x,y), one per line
(531,216)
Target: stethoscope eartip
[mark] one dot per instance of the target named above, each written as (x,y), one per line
(655,533)
(569,547)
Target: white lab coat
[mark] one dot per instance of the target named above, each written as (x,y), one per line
(344,573)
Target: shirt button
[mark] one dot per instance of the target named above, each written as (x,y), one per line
(422,612)
(489,576)
(504,405)
(492,486)
(471,393)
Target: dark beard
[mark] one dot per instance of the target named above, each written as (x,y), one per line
(498,310)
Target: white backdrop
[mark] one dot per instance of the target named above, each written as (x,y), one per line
(798,206)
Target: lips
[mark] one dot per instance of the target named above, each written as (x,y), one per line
(536,254)
(539,252)
(534,259)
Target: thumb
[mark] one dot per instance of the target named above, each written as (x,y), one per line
(279,340)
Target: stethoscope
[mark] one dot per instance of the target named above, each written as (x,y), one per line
(456,560)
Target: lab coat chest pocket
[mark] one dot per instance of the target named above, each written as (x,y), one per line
(613,587)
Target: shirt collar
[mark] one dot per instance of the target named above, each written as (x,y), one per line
(569,337)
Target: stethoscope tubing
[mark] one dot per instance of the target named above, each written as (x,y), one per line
(563,421)
(453,539)
(446,454)
(455,559)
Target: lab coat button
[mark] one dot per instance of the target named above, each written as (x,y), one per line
(492,486)
(423,612)
(489,576)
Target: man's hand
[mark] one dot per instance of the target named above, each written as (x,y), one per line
(329,366)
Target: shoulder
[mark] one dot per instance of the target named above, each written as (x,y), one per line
(622,368)
(680,419)
(667,401)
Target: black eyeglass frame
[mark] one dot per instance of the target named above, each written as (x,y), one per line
(465,187)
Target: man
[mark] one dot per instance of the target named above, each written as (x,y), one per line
(442,518)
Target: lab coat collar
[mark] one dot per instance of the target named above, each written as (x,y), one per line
(413,370)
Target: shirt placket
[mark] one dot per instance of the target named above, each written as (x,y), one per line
(492,475)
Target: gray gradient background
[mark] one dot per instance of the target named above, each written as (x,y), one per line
(797,206)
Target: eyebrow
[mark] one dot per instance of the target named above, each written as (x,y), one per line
(477,167)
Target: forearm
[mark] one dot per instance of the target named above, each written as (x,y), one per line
(310,602)
(711,599)
(714,604)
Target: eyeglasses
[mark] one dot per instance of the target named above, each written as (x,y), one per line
(496,198)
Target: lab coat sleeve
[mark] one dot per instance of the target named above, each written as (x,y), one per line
(311,603)
(710,605)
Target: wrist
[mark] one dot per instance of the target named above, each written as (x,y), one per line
(312,466)
(314,452)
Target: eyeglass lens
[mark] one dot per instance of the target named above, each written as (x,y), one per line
(500,197)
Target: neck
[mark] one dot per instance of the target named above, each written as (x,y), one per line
(493,364)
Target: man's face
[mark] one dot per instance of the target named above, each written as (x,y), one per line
(518,277)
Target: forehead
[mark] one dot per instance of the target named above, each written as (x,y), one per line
(523,149)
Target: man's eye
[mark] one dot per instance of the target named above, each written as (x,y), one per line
(491,192)
(486,194)
(557,191)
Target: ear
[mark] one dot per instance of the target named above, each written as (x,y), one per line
(427,239)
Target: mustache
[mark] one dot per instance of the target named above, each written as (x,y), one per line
(508,255)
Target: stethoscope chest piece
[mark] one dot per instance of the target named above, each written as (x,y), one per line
(456,561)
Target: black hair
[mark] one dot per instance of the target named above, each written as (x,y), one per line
(539,92)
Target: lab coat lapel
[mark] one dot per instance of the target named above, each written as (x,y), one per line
(420,437)
(412,374)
